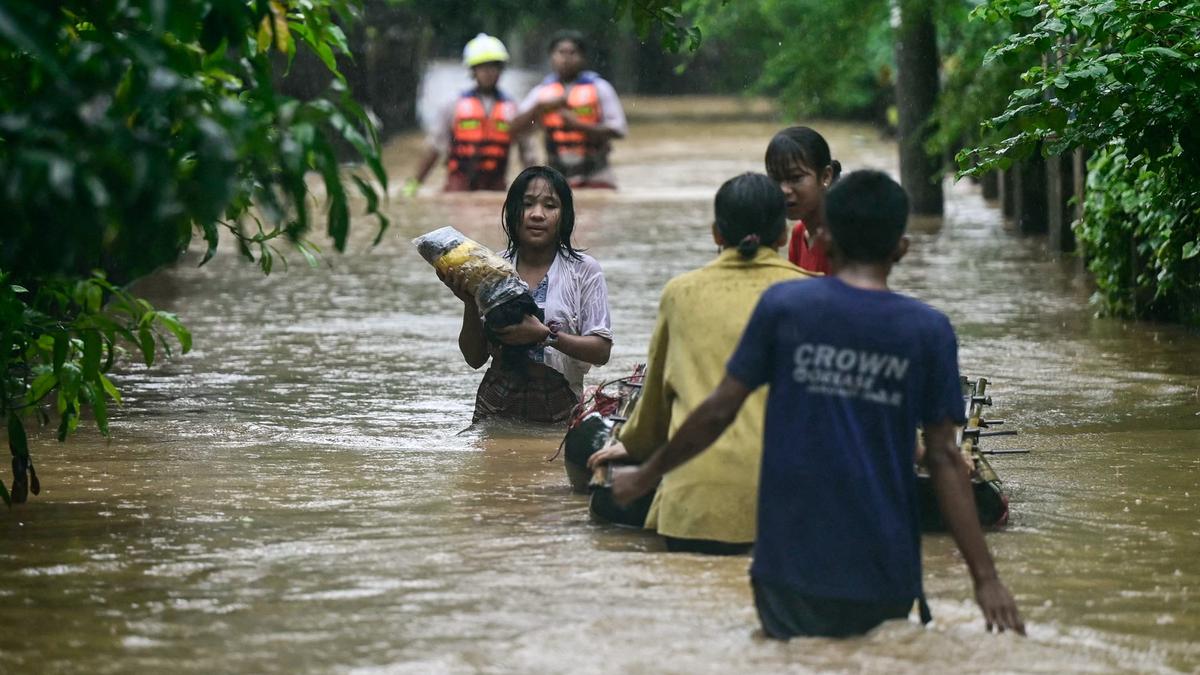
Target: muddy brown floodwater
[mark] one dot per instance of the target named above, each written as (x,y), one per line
(295,495)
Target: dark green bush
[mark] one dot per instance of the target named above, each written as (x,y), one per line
(128,127)
(1120,78)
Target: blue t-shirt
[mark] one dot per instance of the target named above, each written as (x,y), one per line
(853,372)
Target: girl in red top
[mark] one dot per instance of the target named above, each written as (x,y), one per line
(798,159)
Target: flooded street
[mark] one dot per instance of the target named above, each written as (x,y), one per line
(295,495)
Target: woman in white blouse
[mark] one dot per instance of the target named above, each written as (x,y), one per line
(539,217)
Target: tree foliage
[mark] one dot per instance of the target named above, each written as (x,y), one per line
(1120,78)
(127,128)
(819,58)
(972,90)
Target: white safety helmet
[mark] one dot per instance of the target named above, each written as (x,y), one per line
(484,48)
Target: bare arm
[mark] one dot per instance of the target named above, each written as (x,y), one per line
(472,341)
(428,160)
(590,348)
(701,428)
(595,132)
(957,503)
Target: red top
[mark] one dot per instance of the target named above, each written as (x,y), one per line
(801,255)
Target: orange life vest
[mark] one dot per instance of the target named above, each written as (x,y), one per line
(479,141)
(569,150)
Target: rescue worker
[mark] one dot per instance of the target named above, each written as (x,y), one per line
(579,113)
(475,131)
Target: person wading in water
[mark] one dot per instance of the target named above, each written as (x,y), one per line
(475,130)
(579,112)
(839,546)
(798,159)
(567,284)
(707,505)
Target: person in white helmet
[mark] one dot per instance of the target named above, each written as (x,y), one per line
(474,131)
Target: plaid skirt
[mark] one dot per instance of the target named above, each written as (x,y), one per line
(541,395)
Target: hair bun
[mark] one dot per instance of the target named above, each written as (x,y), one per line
(748,246)
(837,168)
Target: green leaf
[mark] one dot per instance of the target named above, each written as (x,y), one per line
(17,441)
(42,385)
(177,328)
(68,389)
(110,389)
(91,355)
(308,255)
(1164,51)
(146,344)
(1191,249)
(62,342)
(93,297)
(212,238)
(67,423)
(99,406)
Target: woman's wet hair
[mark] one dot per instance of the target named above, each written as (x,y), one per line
(513,213)
(866,213)
(570,35)
(799,144)
(750,211)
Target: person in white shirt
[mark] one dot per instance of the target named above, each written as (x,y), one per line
(474,131)
(579,112)
(569,287)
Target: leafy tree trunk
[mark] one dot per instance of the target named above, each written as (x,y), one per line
(916,93)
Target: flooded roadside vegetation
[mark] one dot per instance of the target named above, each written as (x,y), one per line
(295,494)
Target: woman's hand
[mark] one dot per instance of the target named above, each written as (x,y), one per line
(615,453)
(457,283)
(530,331)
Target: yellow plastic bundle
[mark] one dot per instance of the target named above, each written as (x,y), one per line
(490,278)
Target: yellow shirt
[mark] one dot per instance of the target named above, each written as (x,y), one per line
(701,318)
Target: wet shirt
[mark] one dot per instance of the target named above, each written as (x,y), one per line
(807,258)
(700,318)
(577,298)
(538,354)
(851,372)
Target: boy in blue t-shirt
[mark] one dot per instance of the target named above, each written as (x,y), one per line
(853,368)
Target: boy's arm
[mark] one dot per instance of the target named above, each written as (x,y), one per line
(957,504)
(701,428)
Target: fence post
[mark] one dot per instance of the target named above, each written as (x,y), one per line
(989,185)
(1005,184)
(1029,198)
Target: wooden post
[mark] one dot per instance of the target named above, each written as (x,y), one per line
(1006,192)
(1029,205)
(917,62)
(989,185)
(1060,214)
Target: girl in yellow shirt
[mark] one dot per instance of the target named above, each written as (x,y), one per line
(708,505)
